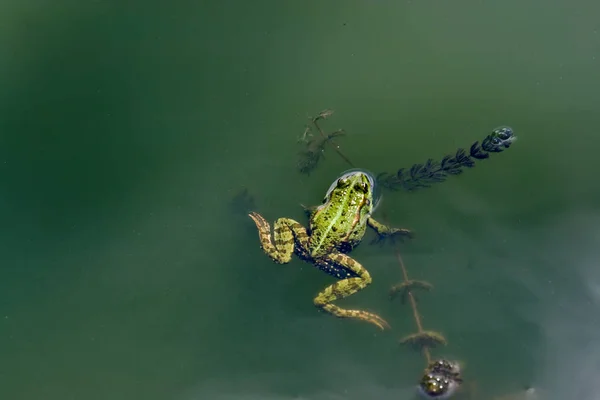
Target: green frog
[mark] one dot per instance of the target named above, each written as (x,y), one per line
(335,228)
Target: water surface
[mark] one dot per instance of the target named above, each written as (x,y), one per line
(127,127)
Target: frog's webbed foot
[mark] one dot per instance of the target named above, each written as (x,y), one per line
(285,233)
(357,314)
(384,232)
(345,288)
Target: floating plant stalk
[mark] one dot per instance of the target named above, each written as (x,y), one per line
(422,340)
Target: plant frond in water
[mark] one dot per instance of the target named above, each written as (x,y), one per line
(406,287)
(423,339)
(314,144)
(424,175)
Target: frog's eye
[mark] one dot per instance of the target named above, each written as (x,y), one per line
(362,187)
(343,182)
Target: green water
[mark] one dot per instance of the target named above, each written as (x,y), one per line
(126,127)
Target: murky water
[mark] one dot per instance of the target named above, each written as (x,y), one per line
(126,128)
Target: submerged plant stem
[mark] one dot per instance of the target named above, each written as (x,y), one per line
(332,143)
(413,303)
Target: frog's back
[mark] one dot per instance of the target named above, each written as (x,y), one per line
(338,228)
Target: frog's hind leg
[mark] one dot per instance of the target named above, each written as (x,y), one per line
(384,231)
(345,288)
(285,233)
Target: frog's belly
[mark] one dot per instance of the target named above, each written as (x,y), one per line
(328,267)
(335,270)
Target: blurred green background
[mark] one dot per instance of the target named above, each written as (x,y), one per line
(127,127)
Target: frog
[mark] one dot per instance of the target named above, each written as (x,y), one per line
(441,379)
(335,228)
(437,385)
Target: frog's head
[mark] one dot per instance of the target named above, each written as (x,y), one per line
(437,386)
(341,219)
(501,138)
(358,187)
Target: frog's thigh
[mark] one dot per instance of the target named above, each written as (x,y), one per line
(345,287)
(283,237)
(286,232)
(283,249)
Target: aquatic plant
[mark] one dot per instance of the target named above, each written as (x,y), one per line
(430,172)
(314,145)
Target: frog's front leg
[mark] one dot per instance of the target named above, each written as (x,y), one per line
(384,231)
(345,288)
(309,210)
(286,232)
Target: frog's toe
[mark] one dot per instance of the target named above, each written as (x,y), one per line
(355,314)
(373,319)
(401,232)
(260,222)
(380,322)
